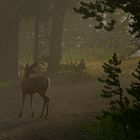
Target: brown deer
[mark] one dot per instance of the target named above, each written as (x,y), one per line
(31,85)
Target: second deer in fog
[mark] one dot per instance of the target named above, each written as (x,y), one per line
(34,84)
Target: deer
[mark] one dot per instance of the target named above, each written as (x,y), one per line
(31,85)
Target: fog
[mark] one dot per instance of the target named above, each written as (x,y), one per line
(46,40)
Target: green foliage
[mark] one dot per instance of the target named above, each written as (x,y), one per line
(105,129)
(100,7)
(133,116)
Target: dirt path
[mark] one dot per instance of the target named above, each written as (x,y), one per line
(70,103)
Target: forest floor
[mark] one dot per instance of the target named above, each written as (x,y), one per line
(72,102)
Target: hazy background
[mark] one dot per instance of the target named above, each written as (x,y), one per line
(69,50)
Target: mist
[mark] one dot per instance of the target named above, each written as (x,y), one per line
(56,57)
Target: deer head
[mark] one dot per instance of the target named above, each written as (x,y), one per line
(30,69)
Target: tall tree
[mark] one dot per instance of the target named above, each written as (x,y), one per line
(60,8)
(9,34)
(37,14)
(56,37)
(36,9)
(112,88)
(31,9)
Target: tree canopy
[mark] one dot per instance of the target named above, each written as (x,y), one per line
(102,11)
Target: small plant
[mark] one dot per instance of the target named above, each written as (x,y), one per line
(119,103)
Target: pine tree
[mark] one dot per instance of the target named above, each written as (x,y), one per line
(134,89)
(134,113)
(112,88)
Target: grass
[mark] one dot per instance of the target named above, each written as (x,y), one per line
(128,66)
(96,57)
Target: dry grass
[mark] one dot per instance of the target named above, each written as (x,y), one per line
(94,68)
(129,65)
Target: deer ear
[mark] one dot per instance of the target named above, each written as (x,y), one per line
(26,66)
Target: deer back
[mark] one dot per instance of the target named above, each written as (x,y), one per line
(35,84)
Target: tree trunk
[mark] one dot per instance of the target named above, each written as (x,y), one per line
(9,40)
(56,38)
(36,40)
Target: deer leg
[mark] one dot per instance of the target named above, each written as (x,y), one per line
(47,107)
(21,111)
(31,103)
(44,104)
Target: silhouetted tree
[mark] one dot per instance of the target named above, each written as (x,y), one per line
(9,37)
(57,10)
(112,88)
(134,91)
(101,10)
(60,8)
(34,10)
